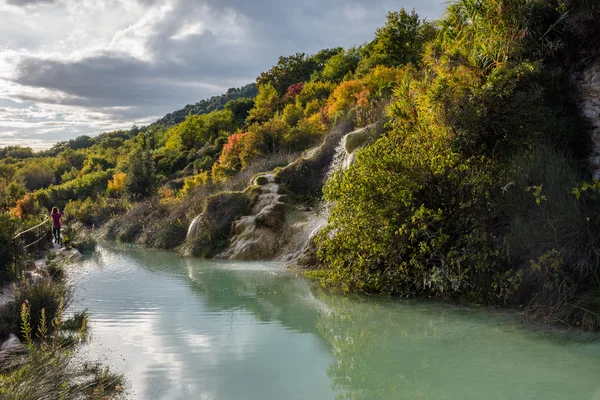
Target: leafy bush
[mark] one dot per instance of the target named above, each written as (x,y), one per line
(467,196)
(89,185)
(194,182)
(36,176)
(8,228)
(93,210)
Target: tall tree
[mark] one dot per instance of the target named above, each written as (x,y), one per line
(141,174)
(398,42)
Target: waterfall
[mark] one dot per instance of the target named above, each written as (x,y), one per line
(301,252)
(276,227)
(341,158)
(194,227)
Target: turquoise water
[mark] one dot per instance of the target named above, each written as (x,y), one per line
(197,329)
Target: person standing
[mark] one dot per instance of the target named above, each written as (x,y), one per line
(56,224)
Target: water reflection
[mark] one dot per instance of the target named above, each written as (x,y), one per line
(189,329)
(204,332)
(386,349)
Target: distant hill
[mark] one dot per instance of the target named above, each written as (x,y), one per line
(206,106)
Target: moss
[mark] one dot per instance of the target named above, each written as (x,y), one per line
(261,180)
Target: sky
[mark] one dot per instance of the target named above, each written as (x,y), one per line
(82,67)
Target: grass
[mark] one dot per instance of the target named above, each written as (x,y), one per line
(44,295)
(51,368)
(56,270)
(553,237)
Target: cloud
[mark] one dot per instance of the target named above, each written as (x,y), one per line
(124,61)
(25,3)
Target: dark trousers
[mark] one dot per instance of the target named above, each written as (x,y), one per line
(56,233)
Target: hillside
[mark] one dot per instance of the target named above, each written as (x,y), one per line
(206,106)
(471,181)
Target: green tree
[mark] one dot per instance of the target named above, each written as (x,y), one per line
(141,174)
(295,68)
(265,105)
(81,142)
(397,43)
(240,108)
(35,175)
(341,65)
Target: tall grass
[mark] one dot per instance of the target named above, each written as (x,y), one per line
(553,237)
(51,368)
(47,296)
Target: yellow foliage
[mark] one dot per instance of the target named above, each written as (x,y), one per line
(344,96)
(117,184)
(292,114)
(382,78)
(167,196)
(195,181)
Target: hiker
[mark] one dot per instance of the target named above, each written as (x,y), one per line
(56,224)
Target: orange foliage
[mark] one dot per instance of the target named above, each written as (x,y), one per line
(230,160)
(344,97)
(362,99)
(26,206)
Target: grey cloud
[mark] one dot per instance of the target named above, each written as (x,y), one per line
(118,80)
(25,3)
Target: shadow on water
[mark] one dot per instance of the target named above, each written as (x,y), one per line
(366,347)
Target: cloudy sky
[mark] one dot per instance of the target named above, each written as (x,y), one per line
(73,67)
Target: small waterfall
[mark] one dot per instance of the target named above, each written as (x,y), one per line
(344,157)
(194,227)
(303,253)
(341,159)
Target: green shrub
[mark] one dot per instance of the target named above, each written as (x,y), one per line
(467,197)
(93,210)
(8,228)
(89,185)
(56,271)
